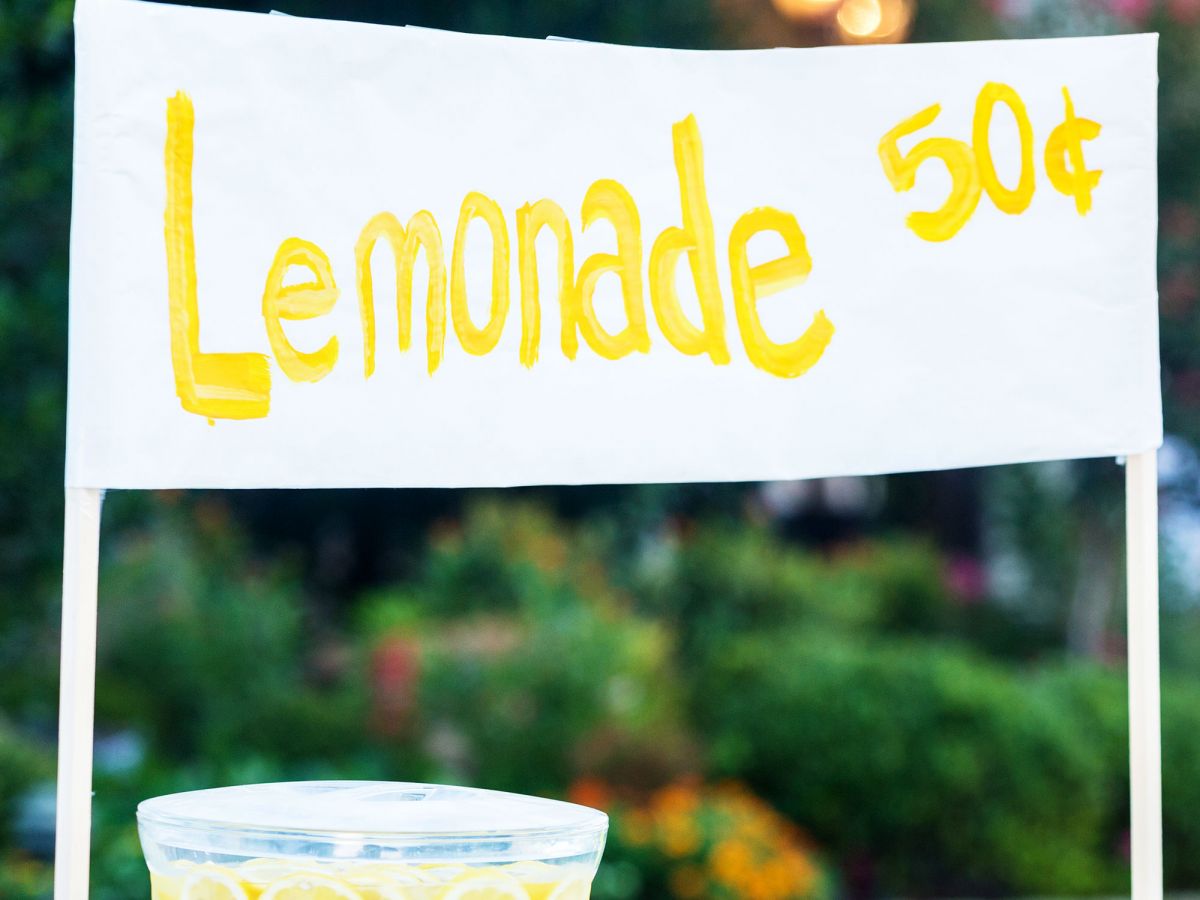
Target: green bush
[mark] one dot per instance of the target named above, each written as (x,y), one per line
(1099,696)
(533,669)
(491,561)
(23,878)
(206,651)
(22,764)
(720,581)
(1181,784)
(943,772)
(520,703)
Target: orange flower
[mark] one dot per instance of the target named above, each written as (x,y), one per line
(718,842)
(777,877)
(681,837)
(591,792)
(681,799)
(732,862)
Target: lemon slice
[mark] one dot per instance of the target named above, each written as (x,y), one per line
(383,873)
(575,889)
(264,871)
(212,883)
(532,870)
(390,891)
(382,892)
(165,887)
(307,886)
(387,882)
(442,873)
(493,885)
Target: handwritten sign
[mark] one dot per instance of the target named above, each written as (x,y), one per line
(312,253)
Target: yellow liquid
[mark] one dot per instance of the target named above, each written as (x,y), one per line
(263,879)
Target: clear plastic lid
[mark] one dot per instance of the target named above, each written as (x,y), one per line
(337,821)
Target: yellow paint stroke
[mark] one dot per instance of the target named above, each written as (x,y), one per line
(213,385)
(531,219)
(478,341)
(421,234)
(752,283)
(696,239)
(610,200)
(1066,143)
(1018,199)
(306,300)
(901,171)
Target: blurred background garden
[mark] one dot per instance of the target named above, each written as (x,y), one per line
(900,686)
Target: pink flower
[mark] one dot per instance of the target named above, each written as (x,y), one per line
(1010,9)
(966,579)
(1132,10)
(1185,12)
(394,679)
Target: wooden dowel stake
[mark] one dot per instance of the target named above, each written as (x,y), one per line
(1145,753)
(77,692)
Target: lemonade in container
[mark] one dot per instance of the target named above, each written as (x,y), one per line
(354,840)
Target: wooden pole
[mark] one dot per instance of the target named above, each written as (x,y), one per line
(1145,755)
(77,692)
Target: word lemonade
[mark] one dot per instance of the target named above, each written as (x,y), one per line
(238,385)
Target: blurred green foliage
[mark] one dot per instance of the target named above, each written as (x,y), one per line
(35,190)
(725,579)
(929,762)
(22,764)
(512,658)
(234,642)
(23,878)
(527,665)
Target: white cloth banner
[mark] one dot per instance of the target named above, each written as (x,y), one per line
(310,253)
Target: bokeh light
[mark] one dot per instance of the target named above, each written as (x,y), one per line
(874,21)
(807,10)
